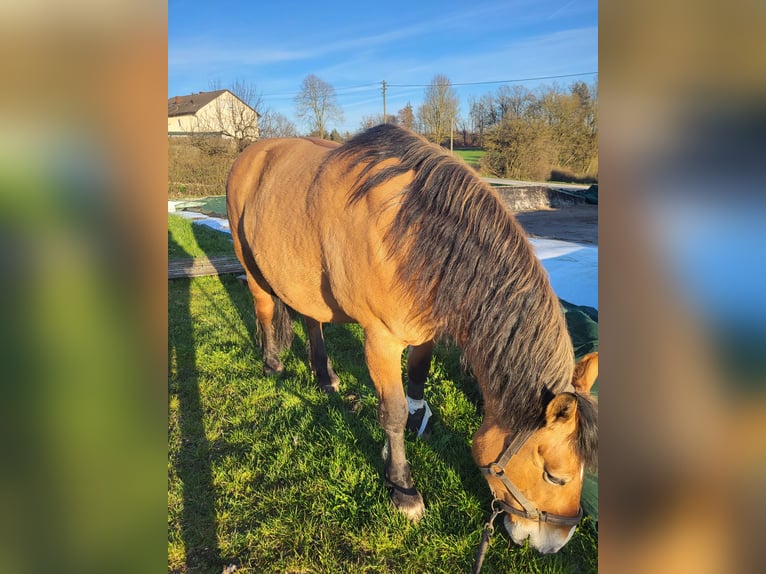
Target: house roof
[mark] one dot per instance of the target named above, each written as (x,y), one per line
(191,104)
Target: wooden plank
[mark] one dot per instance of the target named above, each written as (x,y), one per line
(202,266)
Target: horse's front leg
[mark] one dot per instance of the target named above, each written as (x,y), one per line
(418,366)
(383,354)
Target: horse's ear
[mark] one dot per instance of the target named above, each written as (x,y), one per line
(561,409)
(585,373)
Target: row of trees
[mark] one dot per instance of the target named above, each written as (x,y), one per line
(550,133)
(547,133)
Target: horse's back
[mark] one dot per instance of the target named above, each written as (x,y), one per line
(292,159)
(274,224)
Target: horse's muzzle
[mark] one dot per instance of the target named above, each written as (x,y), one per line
(544,538)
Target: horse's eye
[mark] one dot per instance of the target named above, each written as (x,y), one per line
(548,477)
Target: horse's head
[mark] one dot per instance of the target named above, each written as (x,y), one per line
(537,477)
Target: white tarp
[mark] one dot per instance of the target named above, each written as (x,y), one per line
(572,268)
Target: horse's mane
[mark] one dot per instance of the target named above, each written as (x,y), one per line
(470,264)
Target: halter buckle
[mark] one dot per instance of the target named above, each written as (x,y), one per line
(495,469)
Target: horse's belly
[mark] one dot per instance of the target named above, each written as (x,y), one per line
(294,272)
(311,300)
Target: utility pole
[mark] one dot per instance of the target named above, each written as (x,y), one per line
(385,117)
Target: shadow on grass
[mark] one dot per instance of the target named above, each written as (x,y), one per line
(198,523)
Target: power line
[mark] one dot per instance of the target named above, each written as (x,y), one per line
(496,81)
(388,85)
(372,85)
(342,89)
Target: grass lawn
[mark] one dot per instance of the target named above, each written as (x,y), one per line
(272,475)
(471,156)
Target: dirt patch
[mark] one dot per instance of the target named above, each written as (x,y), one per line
(577,223)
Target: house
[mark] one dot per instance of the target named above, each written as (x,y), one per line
(219,113)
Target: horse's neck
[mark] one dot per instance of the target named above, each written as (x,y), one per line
(524,362)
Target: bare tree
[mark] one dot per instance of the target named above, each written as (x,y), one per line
(439,110)
(513,101)
(316,104)
(481,111)
(463,127)
(275,125)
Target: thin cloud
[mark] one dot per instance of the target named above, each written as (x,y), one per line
(203,51)
(197,54)
(575,50)
(561,9)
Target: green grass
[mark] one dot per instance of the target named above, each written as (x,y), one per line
(186,240)
(471,156)
(272,475)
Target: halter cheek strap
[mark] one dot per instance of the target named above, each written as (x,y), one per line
(497,470)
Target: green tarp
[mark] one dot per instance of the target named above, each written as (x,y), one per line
(582,323)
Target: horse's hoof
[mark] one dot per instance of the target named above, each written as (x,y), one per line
(276,368)
(409,502)
(327,380)
(330,383)
(331,388)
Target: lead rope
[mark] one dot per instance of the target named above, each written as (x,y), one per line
(486,535)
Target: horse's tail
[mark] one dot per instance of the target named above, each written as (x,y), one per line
(282,323)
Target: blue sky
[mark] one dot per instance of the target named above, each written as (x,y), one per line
(355,45)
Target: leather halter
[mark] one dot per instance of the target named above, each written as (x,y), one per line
(530,512)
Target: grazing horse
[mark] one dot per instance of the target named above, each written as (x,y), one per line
(394,233)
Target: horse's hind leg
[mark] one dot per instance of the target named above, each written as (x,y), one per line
(383,356)
(320,362)
(418,366)
(265,308)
